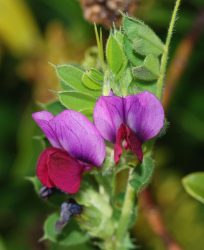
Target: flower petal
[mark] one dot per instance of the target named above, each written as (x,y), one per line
(43,119)
(127,136)
(65,172)
(120,137)
(134,144)
(42,167)
(144,115)
(79,137)
(108,116)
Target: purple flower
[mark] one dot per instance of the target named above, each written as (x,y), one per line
(77,146)
(129,121)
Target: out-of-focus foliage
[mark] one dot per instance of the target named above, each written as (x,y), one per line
(18,29)
(63,36)
(180,213)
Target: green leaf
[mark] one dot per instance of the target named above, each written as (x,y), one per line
(142,73)
(143,174)
(126,79)
(77,100)
(144,39)
(36,183)
(70,236)
(90,83)
(134,59)
(149,71)
(54,107)
(137,86)
(71,76)
(114,54)
(152,63)
(88,113)
(119,36)
(74,238)
(144,47)
(49,228)
(194,185)
(96,75)
(93,79)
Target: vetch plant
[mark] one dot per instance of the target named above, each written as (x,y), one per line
(104,122)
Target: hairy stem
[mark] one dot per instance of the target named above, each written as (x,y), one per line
(164,58)
(126,213)
(182,57)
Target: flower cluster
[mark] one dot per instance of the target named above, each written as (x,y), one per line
(77,145)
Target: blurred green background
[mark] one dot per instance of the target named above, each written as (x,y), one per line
(35,32)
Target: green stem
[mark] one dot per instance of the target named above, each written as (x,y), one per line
(126,213)
(164,58)
(113,185)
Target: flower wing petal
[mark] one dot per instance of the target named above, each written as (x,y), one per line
(42,167)
(144,114)
(65,172)
(108,116)
(43,119)
(79,137)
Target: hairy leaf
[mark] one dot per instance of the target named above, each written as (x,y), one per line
(70,236)
(137,86)
(93,79)
(144,39)
(143,174)
(114,54)
(134,59)
(149,70)
(54,107)
(76,100)
(71,76)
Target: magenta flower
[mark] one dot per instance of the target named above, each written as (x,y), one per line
(77,146)
(129,121)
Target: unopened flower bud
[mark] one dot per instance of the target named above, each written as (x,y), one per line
(68,209)
(46,192)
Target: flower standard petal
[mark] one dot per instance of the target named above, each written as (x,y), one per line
(79,137)
(43,119)
(144,115)
(108,116)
